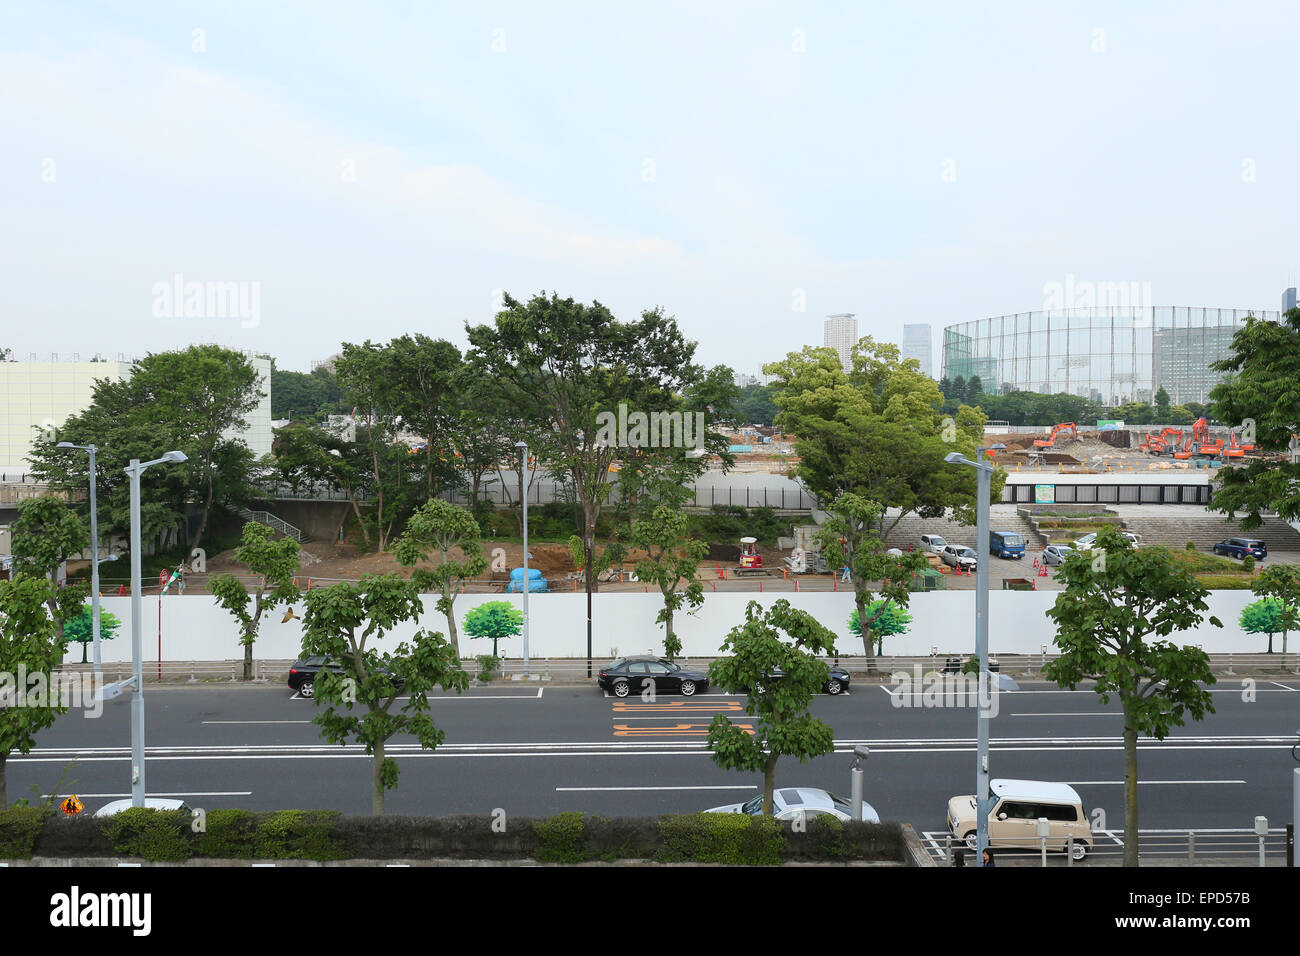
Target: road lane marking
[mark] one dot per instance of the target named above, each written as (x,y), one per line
(1145,783)
(679,730)
(677,707)
(211,793)
(1071,713)
(606,789)
(1283,686)
(257,721)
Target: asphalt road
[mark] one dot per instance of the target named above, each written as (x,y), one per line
(532,749)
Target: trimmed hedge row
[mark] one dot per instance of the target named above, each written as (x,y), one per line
(169,836)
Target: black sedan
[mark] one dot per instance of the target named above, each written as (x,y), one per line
(302,674)
(632,674)
(837,681)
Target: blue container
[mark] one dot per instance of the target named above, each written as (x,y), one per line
(536,583)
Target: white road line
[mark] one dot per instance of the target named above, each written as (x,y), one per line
(213,793)
(1145,783)
(1072,713)
(1283,686)
(606,789)
(257,721)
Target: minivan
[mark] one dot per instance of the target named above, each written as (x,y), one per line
(1013,818)
(1007,544)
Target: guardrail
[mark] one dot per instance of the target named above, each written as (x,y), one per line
(1193,847)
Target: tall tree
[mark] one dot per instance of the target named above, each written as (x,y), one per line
(567,367)
(1116,598)
(425,373)
(671,564)
(339,624)
(274,563)
(786,639)
(438,527)
(46,534)
(366,373)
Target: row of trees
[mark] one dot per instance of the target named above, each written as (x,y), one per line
(1031,409)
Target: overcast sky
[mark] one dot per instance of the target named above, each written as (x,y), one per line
(380,169)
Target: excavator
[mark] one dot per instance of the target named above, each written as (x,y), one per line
(1161,444)
(1050,441)
(1198,440)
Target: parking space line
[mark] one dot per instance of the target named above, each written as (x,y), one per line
(619,789)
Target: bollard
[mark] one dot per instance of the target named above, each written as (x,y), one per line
(796,584)
(715,585)
(1191,846)
(1069,851)
(760,587)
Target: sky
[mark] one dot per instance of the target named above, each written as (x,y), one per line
(366,170)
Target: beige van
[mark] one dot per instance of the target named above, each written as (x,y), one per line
(1013,819)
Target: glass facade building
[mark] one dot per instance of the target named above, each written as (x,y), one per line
(1108,355)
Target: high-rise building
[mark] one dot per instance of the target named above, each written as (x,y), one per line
(842,335)
(1288,300)
(917,345)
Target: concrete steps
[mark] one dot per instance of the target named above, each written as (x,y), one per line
(1206,531)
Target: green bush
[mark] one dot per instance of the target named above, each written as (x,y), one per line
(736,839)
(19,829)
(560,839)
(230,835)
(1248,564)
(160,836)
(729,523)
(1225,582)
(486,665)
(297,835)
(1191,545)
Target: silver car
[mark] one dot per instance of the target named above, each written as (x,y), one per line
(933,543)
(1055,554)
(956,554)
(794,803)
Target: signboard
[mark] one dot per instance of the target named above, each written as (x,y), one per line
(1044,494)
(1109,425)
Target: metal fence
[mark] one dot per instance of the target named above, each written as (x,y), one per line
(1193,847)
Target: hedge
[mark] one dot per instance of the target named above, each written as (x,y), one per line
(170,836)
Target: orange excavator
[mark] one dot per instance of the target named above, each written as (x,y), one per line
(1161,444)
(1050,441)
(1199,438)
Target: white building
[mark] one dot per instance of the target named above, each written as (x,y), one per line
(917,344)
(842,335)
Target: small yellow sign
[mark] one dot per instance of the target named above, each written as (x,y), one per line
(72,806)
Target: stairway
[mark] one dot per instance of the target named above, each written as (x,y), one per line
(275,524)
(1207,530)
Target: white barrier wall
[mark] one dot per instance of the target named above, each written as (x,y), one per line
(194,628)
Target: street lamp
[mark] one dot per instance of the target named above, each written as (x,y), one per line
(983,473)
(523,474)
(135,470)
(94,565)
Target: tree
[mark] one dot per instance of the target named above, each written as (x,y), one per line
(496,620)
(567,367)
(1264,616)
(849,537)
(437,526)
(424,373)
(974,391)
(339,623)
(81,628)
(878,433)
(30,646)
(310,455)
(1281,582)
(274,563)
(672,564)
(783,726)
(366,373)
(1162,405)
(1115,598)
(887,619)
(306,396)
(1260,397)
(46,534)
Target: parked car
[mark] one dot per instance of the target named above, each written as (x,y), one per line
(150,803)
(302,674)
(933,543)
(1240,547)
(1007,544)
(955,554)
(631,674)
(837,682)
(1055,554)
(1086,542)
(792,803)
(1013,819)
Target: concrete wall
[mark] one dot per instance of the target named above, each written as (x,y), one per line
(194,628)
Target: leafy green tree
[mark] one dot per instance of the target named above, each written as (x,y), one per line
(566,367)
(1162,405)
(1264,616)
(974,391)
(28,644)
(1281,582)
(359,700)
(309,455)
(439,527)
(1116,598)
(46,534)
(81,628)
(889,619)
(849,537)
(305,396)
(754,652)
(275,563)
(878,433)
(367,375)
(1260,397)
(425,371)
(496,620)
(754,405)
(671,564)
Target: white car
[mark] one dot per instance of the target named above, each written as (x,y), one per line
(933,543)
(150,803)
(956,554)
(793,803)
(1086,542)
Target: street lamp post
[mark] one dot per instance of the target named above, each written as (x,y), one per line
(983,473)
(523,450)
(98,679)
(135,470)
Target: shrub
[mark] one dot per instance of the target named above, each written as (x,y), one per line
(736,839)
(560,839)
(1191,545)
(486,665)
(230,835)
(161,836)
(297,835)
(1248,564)
(19,829)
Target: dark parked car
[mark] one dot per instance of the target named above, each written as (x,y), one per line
(836,682)
(1240,547)
(631,674)
(302,674)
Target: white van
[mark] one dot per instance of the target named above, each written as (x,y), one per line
(1013,820)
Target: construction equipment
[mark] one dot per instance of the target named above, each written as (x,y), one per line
(1164,443)
(751,562)
(1200,436)
(1050,441)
